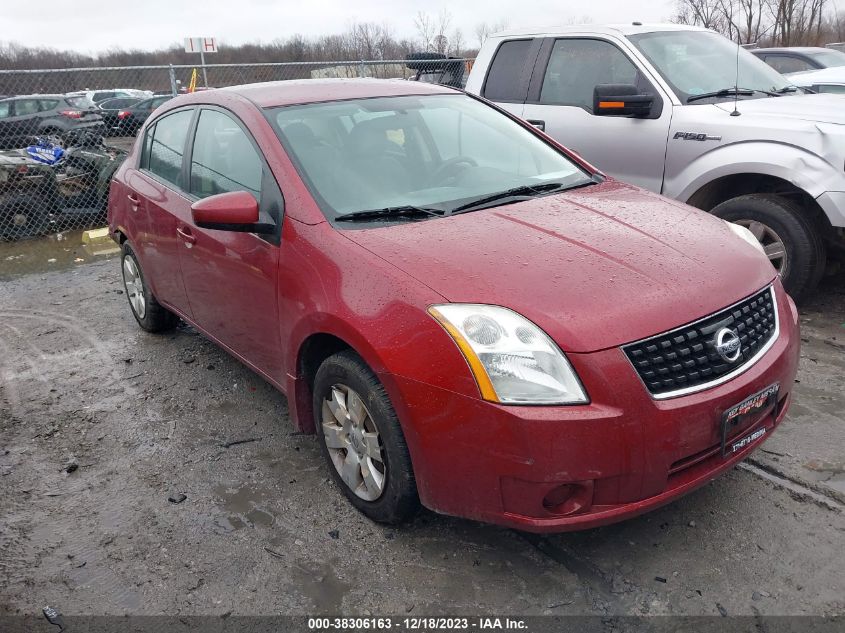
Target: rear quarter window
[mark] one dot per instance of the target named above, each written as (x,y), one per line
(78,102)
(506,78)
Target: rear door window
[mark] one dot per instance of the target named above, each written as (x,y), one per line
(507,78)
(24,107)
(5,109)
(47,104)
(167,146)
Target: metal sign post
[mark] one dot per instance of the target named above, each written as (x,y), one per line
(201,45)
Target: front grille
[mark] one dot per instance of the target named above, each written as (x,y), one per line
(685,359)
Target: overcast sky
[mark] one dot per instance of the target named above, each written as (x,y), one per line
(96,25)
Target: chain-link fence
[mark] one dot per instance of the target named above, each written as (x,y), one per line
(64,132)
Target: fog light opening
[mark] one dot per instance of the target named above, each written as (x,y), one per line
(568,498)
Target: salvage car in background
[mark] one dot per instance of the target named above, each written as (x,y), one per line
(21,118)
(95,97)
(829,80)
(466,313)
(36,196)
(111,108)
(658,106)
(800,59)
(130,119)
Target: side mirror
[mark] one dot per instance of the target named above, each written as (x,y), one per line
(621,100)
(232,211)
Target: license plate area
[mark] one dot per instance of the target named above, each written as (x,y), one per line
(735,417)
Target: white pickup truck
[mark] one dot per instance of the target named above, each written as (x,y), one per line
(684,112)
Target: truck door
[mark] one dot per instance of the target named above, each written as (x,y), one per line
(560,100)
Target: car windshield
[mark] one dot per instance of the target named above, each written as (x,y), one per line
(829,59)
(415,151)
(702,62)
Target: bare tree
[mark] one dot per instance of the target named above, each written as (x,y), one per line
(706,13)
(483,30)
(426,29)
(457,43)
(444,21)
(780,22)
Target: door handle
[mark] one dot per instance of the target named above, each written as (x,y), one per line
(134,200)
(540,125)
(186,236)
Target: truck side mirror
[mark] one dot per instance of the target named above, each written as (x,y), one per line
(621,100)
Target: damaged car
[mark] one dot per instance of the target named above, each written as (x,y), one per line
(46,185)
(467,314)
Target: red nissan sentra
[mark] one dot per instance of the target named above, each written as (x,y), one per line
(467,314)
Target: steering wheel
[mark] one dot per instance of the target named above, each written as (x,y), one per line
(448,164)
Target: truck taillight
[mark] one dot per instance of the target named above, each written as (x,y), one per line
(72,114)
(122,114)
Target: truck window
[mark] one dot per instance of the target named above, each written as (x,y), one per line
(577,66)
(505,79)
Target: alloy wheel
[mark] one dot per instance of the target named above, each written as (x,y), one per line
(771,242)
(353,442)
(134,287)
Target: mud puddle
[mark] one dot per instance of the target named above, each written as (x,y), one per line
(61,251)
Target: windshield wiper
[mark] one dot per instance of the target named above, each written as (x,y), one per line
(788,89)
(405,211)
(730,92)
(520,193)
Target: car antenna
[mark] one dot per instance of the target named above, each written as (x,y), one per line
(736,112)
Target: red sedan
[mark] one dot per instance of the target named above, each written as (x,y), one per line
(468,315)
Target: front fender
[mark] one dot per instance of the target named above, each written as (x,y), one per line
(796,165)
(370,305)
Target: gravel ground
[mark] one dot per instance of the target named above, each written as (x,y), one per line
(101,423)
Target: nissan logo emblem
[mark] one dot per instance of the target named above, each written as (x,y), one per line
(728,345)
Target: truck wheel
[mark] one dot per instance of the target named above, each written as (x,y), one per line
(148,312)
(362,440)
(788,236)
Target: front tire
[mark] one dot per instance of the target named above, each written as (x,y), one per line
(148,312)
(362,441)
(788,236)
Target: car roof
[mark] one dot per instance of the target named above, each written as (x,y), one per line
(790,49)
(301,91)
(37,97)
(603,29)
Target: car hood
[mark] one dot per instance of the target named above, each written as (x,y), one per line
(820,108)
(593,267)
(833,75)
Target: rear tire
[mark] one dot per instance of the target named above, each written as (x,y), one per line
(780,219)
(364,440)
(22,217)
(148,312)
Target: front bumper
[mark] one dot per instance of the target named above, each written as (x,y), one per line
(548,469)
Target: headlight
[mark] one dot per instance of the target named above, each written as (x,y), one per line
(744,233)
(513,360)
